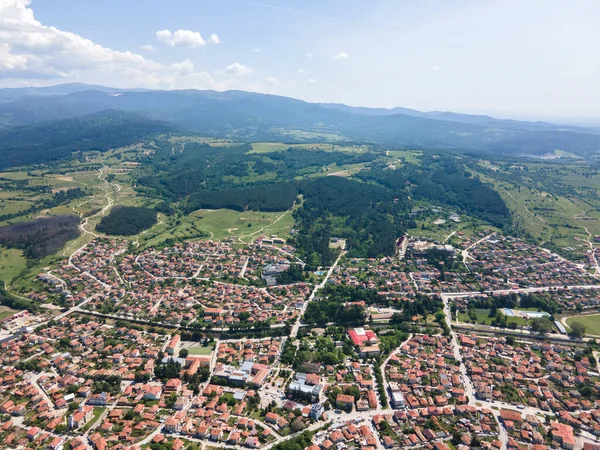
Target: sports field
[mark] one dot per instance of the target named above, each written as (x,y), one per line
(591,322)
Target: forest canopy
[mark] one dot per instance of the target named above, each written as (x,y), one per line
(127,220)
(40,237)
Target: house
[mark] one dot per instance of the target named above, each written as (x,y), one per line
(152,392)
(172,425)
(252,442)
(344,401)
(33,433)
(173,385)
(101,399)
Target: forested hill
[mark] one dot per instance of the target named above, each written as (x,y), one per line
(252,116)
(55,140)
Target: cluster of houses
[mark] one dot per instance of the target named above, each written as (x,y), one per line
(502,262)
(424,426)
(543,375)
(354,434)
(423,374)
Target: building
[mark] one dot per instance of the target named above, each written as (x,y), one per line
(173,345)
(272,271)
(101,399)
(303,387)
(344,401)
(80,417)
(562,435)
(361,337)
(367,342)
(316,411)
(398,399)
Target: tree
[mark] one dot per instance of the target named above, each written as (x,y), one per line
(183,353)
(353,391)
(577,330)
(541,325)
(297,425)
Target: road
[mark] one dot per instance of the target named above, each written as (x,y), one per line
(296,327)
(386,383)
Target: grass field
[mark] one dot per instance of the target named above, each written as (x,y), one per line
(591,322)
(200,350)
(218,225)
(12,263)
(247,225)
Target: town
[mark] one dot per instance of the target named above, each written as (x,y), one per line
(221,345)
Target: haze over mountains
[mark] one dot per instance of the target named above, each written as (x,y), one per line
(245,115)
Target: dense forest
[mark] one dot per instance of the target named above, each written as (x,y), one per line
(127,220)
(444,180)
(191,169)
(40,237)
(367,215)
(271,197)
(56,140)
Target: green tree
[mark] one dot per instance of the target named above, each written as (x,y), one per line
(577,330)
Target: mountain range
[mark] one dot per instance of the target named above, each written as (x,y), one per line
(252,116)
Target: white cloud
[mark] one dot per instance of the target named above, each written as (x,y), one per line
(271,81)
(255,50)
(9,61)
(185,38)
(312,81)
(45,55)
(309,55)
(435,68)
(341,56)
(237,69)
(303,71)
(148,48)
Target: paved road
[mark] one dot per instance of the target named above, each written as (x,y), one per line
(294,330)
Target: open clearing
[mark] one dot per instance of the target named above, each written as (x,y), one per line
(12,263)
(223,223)
(591,322)
(5,312)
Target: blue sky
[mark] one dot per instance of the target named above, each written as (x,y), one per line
(511,58)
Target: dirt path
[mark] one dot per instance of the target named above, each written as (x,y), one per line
(265,227)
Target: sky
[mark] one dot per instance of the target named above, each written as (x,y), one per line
(509,58)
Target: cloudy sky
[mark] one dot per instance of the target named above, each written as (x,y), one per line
(513,58)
